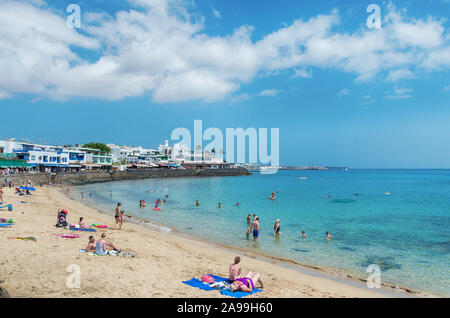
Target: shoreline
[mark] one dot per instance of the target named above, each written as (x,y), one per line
(340,275)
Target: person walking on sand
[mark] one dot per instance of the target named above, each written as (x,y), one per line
(277,228)
(119,215)
(256,228)
(329,237)
(1,195)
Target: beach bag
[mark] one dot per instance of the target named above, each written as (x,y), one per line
(207,279)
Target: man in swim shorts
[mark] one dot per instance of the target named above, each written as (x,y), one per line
(256,229)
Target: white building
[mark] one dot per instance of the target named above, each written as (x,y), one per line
(180,153)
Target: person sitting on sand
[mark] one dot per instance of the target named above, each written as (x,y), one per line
(246,284)
(235,270)
(277,228)
(91,245)
(329,237)
(102,246)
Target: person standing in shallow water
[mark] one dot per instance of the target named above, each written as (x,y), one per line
(119,216)
(256,229)
(303,234)
(329,237)
(277,228)
(197,203)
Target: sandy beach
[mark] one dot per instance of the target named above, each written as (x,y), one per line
(163,260)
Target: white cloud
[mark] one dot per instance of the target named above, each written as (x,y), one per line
(159,48)
(4,95)
(367,99)
(343,92)
(215,12)
(269,92)
(400,93)
(303,73)
(399,74)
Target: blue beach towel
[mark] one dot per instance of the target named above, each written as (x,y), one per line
(9,206)
(194,282)
(83,230)
(239,294)
(6,224)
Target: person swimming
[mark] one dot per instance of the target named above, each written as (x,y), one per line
(220,205)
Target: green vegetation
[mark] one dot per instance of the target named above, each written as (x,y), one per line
(97,145)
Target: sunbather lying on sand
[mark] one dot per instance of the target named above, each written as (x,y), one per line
(246,284)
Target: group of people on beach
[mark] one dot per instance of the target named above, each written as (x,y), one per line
(239,283)
(100,247)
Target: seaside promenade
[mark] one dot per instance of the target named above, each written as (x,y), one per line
(85,177)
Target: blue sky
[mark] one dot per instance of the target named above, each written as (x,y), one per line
(341,94)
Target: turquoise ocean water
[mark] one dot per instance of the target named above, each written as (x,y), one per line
(407,233)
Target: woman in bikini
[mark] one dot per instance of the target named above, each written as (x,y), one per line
(119,215)
(235,270)
(246,284)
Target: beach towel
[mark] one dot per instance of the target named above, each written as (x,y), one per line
(84,230)
(9,206)
(123,253)
(239,294)
(68,236)
(6,224)
(194,282)
(28,238)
